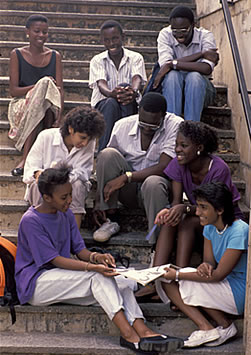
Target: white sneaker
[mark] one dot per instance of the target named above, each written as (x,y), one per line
(199,337)
(105,232)
(225,334)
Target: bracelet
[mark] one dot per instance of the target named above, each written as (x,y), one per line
(177,276)
(86,268)
(91,258)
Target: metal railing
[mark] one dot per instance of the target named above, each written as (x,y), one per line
(237,62)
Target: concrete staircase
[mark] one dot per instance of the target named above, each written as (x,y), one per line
(74,31)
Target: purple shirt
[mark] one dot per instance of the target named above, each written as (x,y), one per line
(41,238)
(219,171)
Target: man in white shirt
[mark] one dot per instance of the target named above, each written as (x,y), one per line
(116,76)
(130,169)
(72,144)
(187,57)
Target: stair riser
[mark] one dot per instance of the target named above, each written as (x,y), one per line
(12,190)
(88,20)
(55,36)
(71,70)
(92,7)
(81,52)
(10,220)
(9,162)
(90,321)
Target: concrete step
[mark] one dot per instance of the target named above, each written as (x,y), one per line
(65,319)
(73,51)
(79,35)
(50,344)
(95,7)
(87,20)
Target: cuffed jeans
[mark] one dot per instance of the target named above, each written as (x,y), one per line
(85,288)
(153,194)
(112,111)
(197,90)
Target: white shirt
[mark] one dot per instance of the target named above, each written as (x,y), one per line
(126,135)
(169,48)
(49,147)
(103,68)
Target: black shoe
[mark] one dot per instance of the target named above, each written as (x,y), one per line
(135,347)
(161,343)
(17,171)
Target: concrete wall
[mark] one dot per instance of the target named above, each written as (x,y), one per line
(211,17)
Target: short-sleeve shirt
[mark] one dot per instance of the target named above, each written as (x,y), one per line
(41,238)
(219,171)
(169,48)
(235,237)
(103,68)
(126,138)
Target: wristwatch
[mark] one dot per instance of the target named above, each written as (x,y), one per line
(188,209)
(137,92)
(129,176)
(174,63)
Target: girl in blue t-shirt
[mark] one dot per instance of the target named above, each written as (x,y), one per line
(218,284)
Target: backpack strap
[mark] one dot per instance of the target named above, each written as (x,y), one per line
(9,246)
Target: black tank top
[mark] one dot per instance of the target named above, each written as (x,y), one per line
(29,75)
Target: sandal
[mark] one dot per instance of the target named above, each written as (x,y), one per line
(17,172)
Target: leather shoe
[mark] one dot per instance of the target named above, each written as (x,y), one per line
(161,343)
(17,171)
(135,347)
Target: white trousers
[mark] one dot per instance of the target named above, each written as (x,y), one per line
(85,288)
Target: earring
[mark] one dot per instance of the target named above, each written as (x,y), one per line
(198,152)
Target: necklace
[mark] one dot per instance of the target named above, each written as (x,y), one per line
(223,230)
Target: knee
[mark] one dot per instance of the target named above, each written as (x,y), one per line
(195,79)
(111,103)
(106,155)
(154,184)
(171,77)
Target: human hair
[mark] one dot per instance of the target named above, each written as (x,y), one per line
(153,102)
(110,24)
(200,133)
(84,119)
(52,177)
(35,18)
(220,197)
(182,11)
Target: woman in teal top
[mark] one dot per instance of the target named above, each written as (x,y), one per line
(218,285)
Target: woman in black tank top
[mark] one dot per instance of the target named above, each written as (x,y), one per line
(37,87)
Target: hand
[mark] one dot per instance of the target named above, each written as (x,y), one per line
(105,259)
(102,269)
(99,217)
(37,174)
(162,216)
(205,270)
(162,72)
(126,95)
(114,185)
(211,55)
(172,216)
(170,274)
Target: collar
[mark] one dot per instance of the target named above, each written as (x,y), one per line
(105,55)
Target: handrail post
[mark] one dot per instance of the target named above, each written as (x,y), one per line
(237,63)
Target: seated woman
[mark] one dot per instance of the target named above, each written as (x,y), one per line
(73,143)
(37,87)
(193,166)
(46,274)
(222,273)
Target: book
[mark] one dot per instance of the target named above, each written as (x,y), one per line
(146,276)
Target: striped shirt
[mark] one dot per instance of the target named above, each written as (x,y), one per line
(103,68)
(126,135)
(169,48)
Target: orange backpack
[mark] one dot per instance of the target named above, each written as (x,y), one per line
(8,293)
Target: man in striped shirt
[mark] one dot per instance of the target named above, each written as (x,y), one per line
(116,76)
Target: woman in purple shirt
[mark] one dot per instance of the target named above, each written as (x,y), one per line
(193,166)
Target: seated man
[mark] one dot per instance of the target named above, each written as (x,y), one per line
(187,56)
(116,76)
(46,274)
(130,169)
(74,144)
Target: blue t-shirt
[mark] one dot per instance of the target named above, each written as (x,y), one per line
(235,237)
(41,238)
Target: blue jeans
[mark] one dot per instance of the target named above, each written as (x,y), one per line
(112,112)
(192,88)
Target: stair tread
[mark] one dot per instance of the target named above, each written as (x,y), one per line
(76,344)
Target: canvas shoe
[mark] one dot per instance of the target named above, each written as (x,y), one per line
(225,334)
(105,232)
(199,337)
